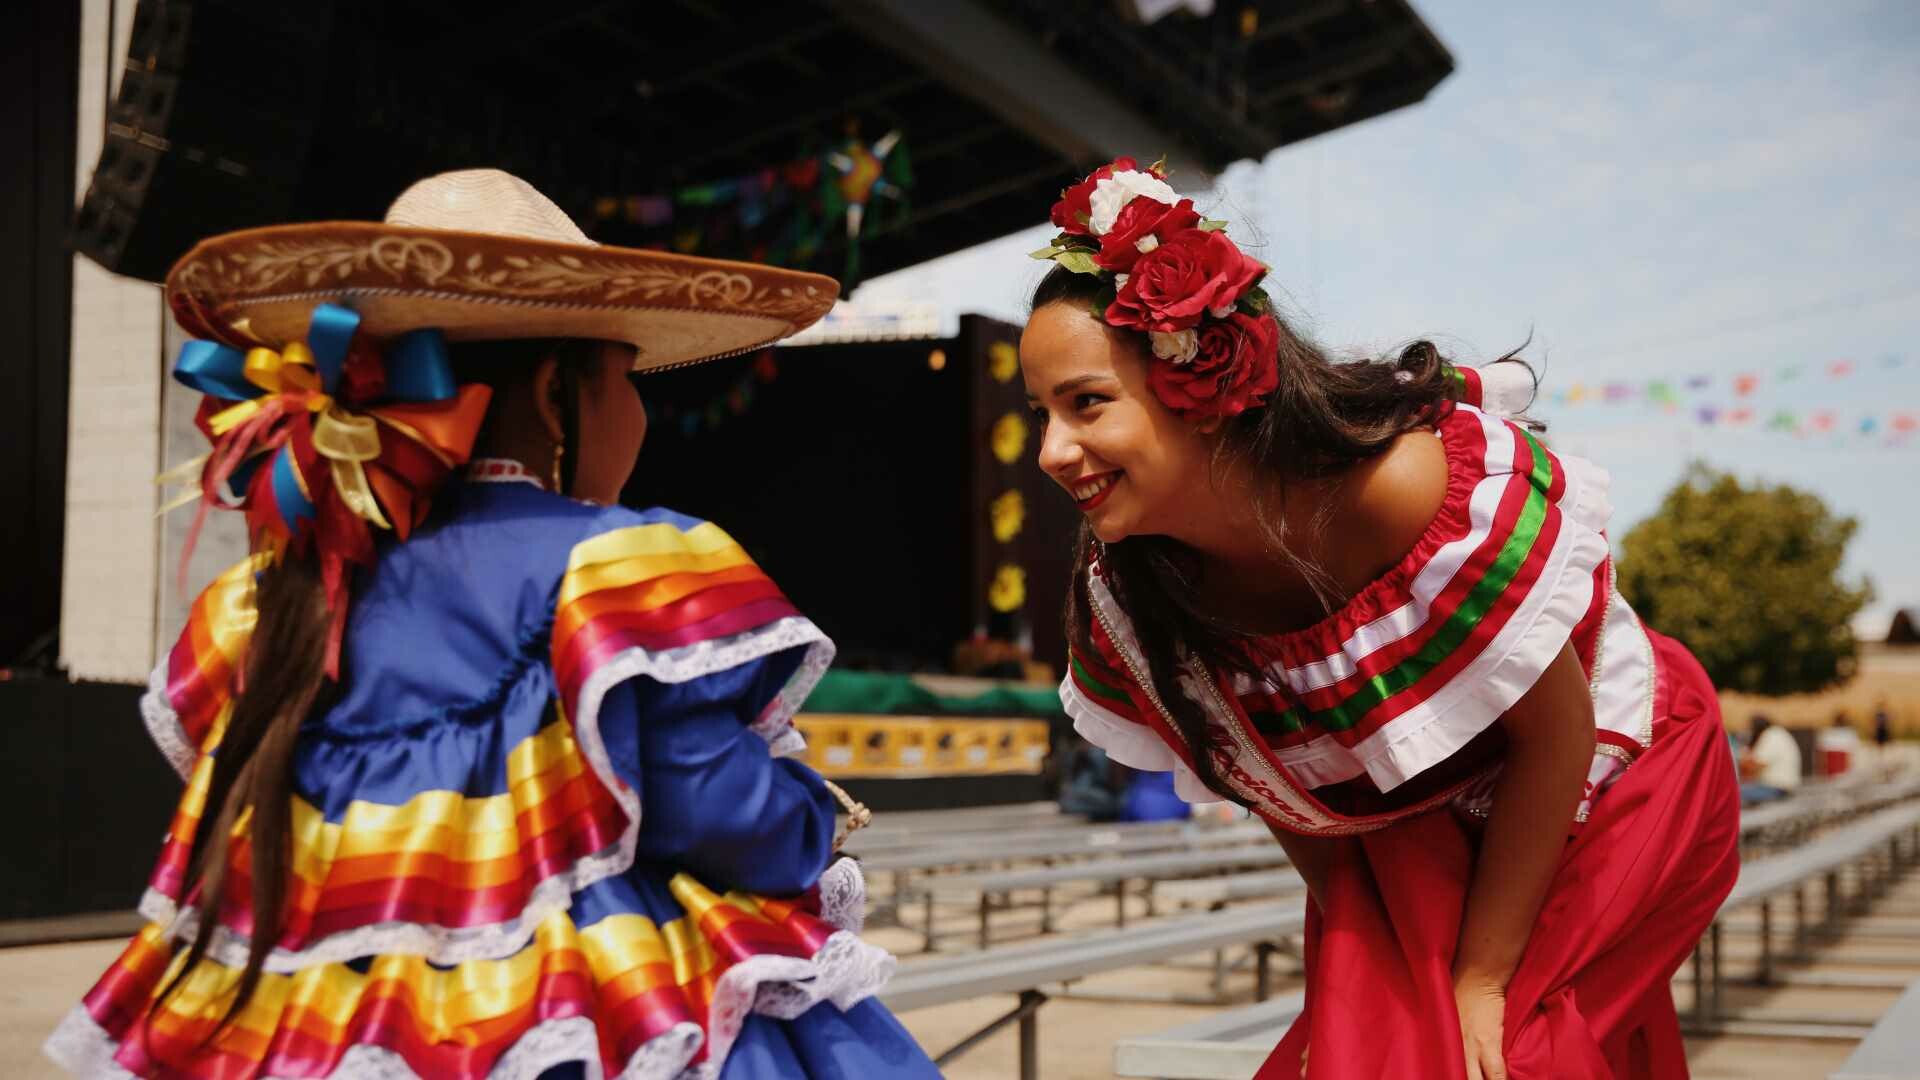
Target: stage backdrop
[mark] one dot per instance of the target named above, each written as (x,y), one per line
(865,480)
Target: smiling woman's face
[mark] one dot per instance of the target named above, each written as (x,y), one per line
(1129,463)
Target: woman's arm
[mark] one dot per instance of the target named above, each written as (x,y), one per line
(1549,753)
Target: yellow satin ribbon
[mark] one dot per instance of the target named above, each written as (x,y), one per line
(346,439)
(291,370)
(349,441)
(187,472)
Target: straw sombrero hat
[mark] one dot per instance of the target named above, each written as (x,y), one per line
(480,254)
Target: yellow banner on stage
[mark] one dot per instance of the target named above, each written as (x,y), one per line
(844,745)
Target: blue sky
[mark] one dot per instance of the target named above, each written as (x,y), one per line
(1652,190)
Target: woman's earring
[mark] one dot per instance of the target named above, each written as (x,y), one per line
(559,452)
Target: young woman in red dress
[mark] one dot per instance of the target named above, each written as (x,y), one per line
(1364,601)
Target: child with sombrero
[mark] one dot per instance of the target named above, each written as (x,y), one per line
(485,772)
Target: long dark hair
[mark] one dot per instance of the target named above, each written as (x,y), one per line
(1323,418)
(283,681)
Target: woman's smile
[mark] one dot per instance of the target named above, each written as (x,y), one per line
(1089,492)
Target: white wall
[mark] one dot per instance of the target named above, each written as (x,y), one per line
(122,600)
(110,566)
(223,538)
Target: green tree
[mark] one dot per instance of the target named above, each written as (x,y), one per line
(1749,579)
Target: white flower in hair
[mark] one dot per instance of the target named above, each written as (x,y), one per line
(1113,193)
(1180,347)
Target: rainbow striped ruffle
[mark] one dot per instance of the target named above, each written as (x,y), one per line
(644,997)
(459,929)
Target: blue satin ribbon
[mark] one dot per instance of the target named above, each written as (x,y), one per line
(418,368)
(293,502)
(329,334)
(215,369)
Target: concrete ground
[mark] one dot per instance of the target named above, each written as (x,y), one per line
(1077,1031)
(1078,1028)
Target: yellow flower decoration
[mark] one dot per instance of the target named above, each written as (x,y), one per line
(1008,591)
(1008,512)
(1009,438)
(1003,361)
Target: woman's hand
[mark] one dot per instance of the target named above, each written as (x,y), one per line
(1483,1008)
(1549,751)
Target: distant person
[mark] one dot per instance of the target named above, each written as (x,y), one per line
(1150,797)
(1090,784)
(1366,601)
(1838,745)
(1882,727)
(1772,765)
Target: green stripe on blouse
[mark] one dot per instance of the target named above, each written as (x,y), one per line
(1543,463)
(1473,608)
(1093,683)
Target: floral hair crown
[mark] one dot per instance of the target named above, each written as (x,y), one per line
(1177,278)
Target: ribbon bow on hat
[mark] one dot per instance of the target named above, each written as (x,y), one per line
(324,440)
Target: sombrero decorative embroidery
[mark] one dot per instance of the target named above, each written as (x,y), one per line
(481,254)
(331,402)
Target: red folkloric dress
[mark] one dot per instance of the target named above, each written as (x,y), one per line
(1379,722)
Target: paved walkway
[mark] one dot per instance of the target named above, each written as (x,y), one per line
(39,983)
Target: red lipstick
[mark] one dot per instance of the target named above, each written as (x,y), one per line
(1106,479)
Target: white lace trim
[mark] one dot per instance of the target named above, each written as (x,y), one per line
(1134,745)
(439,944)
(775,723)
(843,895)
(682,665)
(453,945)
(163,724)
(498,471)
(788,742)
(83,1047)
(845,971)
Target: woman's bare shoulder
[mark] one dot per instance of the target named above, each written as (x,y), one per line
(1385,504)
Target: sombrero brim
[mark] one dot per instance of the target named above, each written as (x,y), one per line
(260,286)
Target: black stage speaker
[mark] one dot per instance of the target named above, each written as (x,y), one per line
(211,128)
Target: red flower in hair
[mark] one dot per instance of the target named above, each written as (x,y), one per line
(1139,219)
(1191,273)
(1075,205)
(1236,367)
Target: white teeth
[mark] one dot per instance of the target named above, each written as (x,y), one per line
(1087,491)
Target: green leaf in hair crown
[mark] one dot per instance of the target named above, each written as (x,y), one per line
(1078,260)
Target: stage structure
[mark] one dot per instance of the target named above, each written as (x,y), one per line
(850,136)
(884,476)
(840,135)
